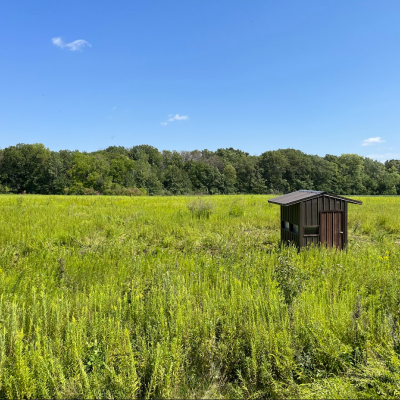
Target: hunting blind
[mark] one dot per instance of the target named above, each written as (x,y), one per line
(312,217)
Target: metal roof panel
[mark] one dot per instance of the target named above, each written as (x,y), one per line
(294,197)
(302,195)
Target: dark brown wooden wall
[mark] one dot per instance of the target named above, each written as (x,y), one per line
(290,214)
(307,213)
(287,236)
(309,216)
(311,208)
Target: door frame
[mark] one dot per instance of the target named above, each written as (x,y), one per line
(340,233)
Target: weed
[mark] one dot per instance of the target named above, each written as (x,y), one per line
(181,297)
(201,209)
(237,208)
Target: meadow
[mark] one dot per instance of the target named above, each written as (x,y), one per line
(188,297)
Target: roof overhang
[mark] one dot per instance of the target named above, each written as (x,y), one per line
(303,195)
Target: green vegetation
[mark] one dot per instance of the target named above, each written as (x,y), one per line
(160,297)
(141,170)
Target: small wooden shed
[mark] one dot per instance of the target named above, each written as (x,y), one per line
(309,216)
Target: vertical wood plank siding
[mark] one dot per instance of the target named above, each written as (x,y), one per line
(305,208)
(290,214)
(309,215)
(315,206)
(331,226)
(345,222)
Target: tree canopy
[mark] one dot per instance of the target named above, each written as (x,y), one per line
(143,169)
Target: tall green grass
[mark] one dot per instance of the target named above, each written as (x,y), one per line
(110,297)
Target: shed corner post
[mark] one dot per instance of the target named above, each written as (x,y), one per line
(345,223)
(301,224)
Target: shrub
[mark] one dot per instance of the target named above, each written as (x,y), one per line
(201,209)
(117,190)
(291,279)
(4,189)
(237,209)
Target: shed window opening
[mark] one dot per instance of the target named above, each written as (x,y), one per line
(286,225)
(311,230)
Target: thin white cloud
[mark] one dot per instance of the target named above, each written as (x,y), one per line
(176,117)
(76,45)
(371,141)
(57,41)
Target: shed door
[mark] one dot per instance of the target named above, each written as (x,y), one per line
(331,228)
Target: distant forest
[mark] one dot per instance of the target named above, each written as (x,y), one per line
(144,170)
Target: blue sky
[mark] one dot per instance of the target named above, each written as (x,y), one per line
(319,76)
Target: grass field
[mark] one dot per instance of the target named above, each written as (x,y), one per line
(166,297)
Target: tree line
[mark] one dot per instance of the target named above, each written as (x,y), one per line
(144,170)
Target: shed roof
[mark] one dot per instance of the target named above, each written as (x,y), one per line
(302,195)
